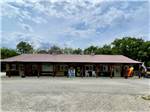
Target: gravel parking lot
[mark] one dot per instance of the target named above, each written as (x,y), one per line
(62,94)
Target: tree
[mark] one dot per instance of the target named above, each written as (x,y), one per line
(67,50)
(24,47)
(144,53)
(127,46)
(55,49)
(106,49)
(6,53)
(134,48)
(90,50)
(77,51)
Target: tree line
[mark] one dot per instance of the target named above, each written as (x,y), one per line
(135,48)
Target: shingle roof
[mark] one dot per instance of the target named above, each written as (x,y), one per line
(70,58)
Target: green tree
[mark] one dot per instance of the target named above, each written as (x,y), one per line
(24,47)
(77,51)
(127,46)
(91,49)
(135,48)
(55,49)
(144,53)
(6,53)
(106,49)
(67,50)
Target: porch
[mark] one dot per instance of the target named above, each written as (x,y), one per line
(61,69)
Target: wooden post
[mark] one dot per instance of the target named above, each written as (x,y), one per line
(7,67)
(39,70)
(8,70)
(111,70)
(21,69)
(100,70)
(24,67)
(125,71)
(54,70)
(97,70)
(82,70)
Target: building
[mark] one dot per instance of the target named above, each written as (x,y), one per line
(59,64)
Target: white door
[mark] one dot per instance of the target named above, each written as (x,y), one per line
(117,71)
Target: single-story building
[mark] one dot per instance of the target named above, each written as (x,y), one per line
(59,64)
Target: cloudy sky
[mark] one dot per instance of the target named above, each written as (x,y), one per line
(72,23)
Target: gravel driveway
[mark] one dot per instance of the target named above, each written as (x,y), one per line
(62,94)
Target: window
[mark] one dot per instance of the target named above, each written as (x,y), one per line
(13,67)
(47,67)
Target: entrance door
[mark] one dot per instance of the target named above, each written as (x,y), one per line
(78,71)
(88,70)
(117,71)
(34,70)
(21,70)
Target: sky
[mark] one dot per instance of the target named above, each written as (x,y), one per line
(72,23)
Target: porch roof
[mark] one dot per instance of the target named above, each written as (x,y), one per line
(62,58)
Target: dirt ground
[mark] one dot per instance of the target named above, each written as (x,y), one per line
(61,94)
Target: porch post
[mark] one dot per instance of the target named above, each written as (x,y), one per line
(22,69)
(54,70)
(39,70)
(25,68)
(139,71)
(8,70)
(97,70)
(126,71)
(111,70)
(82,70)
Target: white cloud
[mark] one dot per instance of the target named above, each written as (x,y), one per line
(16,37)
(16,10)
(33,39)
(9,11)
(26,28)
(39,20)
(76,10)
(71,32)
(56,20)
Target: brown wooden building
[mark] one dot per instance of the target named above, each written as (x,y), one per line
(58,65)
